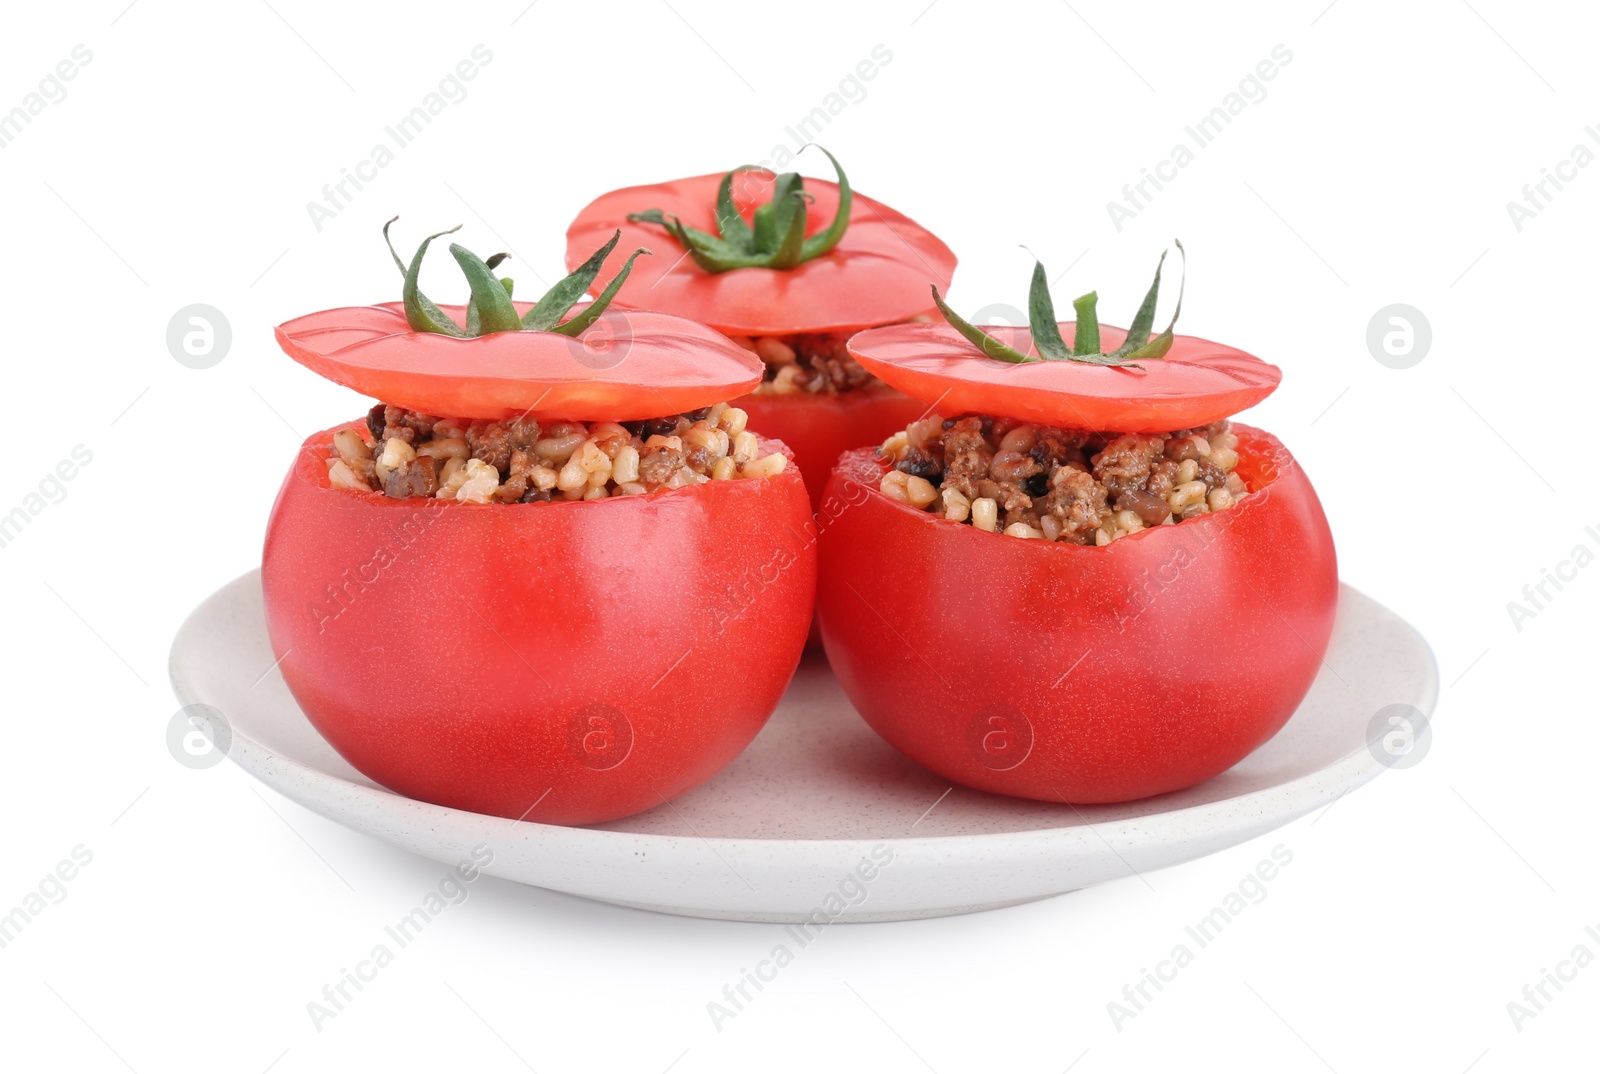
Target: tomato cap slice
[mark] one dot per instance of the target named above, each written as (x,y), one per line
(628,365)
(877,274)
(1198,382)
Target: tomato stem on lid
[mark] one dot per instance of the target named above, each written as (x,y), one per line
(1086,339)
(491,300)
(490,309)
(590,313)
(421,313)
(776,238)
(1137,347)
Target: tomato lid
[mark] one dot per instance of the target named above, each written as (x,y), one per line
(495,359)
(1197,383)
(1072,374)
(628,365)
(751,252)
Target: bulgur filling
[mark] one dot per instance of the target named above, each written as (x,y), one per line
(1061,485)
(405,453)
(817,363)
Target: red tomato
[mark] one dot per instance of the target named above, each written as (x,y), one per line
(878,274)
(1076,673)
(626,366)
(568,663)
(1197,383)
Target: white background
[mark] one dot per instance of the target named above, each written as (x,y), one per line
(1376,170)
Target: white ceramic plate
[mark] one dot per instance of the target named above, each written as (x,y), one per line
(781,834)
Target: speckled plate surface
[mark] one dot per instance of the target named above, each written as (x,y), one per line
(781,834)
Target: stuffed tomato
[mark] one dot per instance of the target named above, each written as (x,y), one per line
(789,269)
(1082,583)
(552,575)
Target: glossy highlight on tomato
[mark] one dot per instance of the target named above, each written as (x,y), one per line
(565,663)
(1079,673)
(1196,383)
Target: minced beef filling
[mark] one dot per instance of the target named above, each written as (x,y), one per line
(1059,484)
(817,363)
(406,453)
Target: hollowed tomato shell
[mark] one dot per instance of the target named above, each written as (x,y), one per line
(1079,674)
(566,663)
(879,273)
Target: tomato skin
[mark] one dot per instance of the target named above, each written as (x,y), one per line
(1197,383)
(459,653)
(819,427)
(1197,641)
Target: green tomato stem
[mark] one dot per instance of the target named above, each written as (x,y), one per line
(979,338)
(1086,340)
(490,309)
(1137,347)
(777,238)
